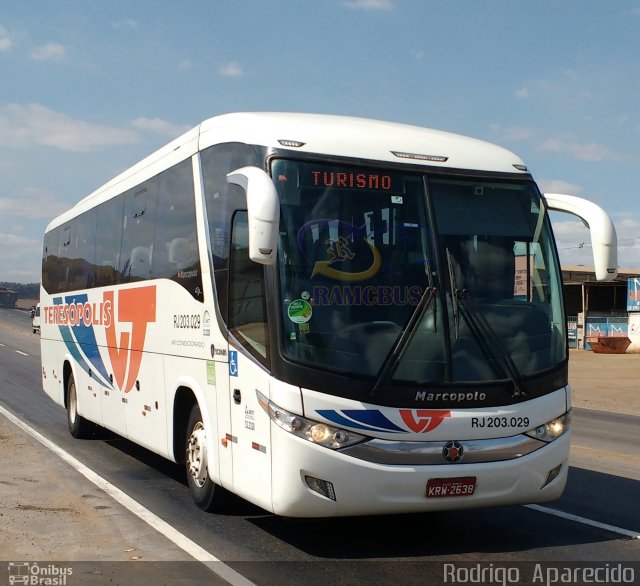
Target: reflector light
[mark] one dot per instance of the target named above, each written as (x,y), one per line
(291,143)
(420,157)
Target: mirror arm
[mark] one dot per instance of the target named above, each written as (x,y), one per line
(603,233)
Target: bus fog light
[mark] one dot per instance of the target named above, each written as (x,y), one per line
(552,475)
(323,487)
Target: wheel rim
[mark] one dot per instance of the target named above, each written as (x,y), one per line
(197,454)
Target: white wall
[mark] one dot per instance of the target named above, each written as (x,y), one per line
(634,332)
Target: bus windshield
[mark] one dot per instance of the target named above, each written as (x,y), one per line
(415,279)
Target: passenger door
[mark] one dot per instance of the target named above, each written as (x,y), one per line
(248,370)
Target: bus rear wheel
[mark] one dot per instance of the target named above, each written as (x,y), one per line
(79,427)
(202,488)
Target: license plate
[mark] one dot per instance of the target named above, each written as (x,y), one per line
(450,487)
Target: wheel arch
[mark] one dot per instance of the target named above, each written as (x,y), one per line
(67,372)
(188,393)
(183,401)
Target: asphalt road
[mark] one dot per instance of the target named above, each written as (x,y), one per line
(603,487)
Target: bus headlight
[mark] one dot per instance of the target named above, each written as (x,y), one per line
(316,432)
(551,430)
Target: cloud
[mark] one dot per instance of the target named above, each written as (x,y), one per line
(5,40)
(126,23)
(628,231)
(522,93)
(49,52)
(231,69)
(15,246)
(513,133)
(370,4)
(574,242)
(20,260)
(32,203)
(583,151)
(159,126)
(185,65)
(559,186)
(563,144)
(33,124)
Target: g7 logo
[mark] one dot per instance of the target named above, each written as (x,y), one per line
(138,307)
(423,420)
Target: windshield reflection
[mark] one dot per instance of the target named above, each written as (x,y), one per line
(358,255)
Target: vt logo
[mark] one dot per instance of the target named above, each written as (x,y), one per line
(138,308)
(423,420)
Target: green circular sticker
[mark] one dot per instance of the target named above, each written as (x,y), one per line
(300,311)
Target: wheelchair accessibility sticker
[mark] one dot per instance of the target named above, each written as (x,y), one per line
(233,363)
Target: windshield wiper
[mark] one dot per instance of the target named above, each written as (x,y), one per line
(481,329)
(397,351)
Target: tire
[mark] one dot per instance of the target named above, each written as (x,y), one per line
(79,427)
(203,490)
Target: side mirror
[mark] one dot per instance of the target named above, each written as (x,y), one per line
(263,209)
(604,241)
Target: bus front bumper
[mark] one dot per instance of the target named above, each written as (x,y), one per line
(302,472)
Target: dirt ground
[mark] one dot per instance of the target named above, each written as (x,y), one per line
(26,303)
(50,512)
(606,382)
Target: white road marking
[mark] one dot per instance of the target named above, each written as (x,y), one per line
(20,352)
(182,541)
(585,521)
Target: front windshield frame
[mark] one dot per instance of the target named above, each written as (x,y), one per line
(359,384)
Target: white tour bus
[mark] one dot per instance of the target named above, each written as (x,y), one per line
(324,315)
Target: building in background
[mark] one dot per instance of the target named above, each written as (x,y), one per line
(597,309)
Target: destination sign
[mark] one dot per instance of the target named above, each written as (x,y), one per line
(345,178)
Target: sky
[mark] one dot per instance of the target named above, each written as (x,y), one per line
(88,88)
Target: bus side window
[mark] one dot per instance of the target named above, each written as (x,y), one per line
(53,263)
(175,248)
(106,271)
(138,231)
(222,200)
(82,250)
(247,312)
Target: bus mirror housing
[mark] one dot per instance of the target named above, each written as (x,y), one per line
(263,210)
(603,233)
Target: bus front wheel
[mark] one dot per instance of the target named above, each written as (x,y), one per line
(200,484)
(79,427)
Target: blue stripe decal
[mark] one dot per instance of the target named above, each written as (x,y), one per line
(71,344)
(85,335)
(367,419)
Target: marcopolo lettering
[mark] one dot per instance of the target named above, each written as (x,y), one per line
(453,397)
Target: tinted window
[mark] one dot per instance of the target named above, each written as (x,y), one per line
(82,250)
(247,314)
(138,232)
(175,249)
(222,200)
(148,232)
(105,271)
